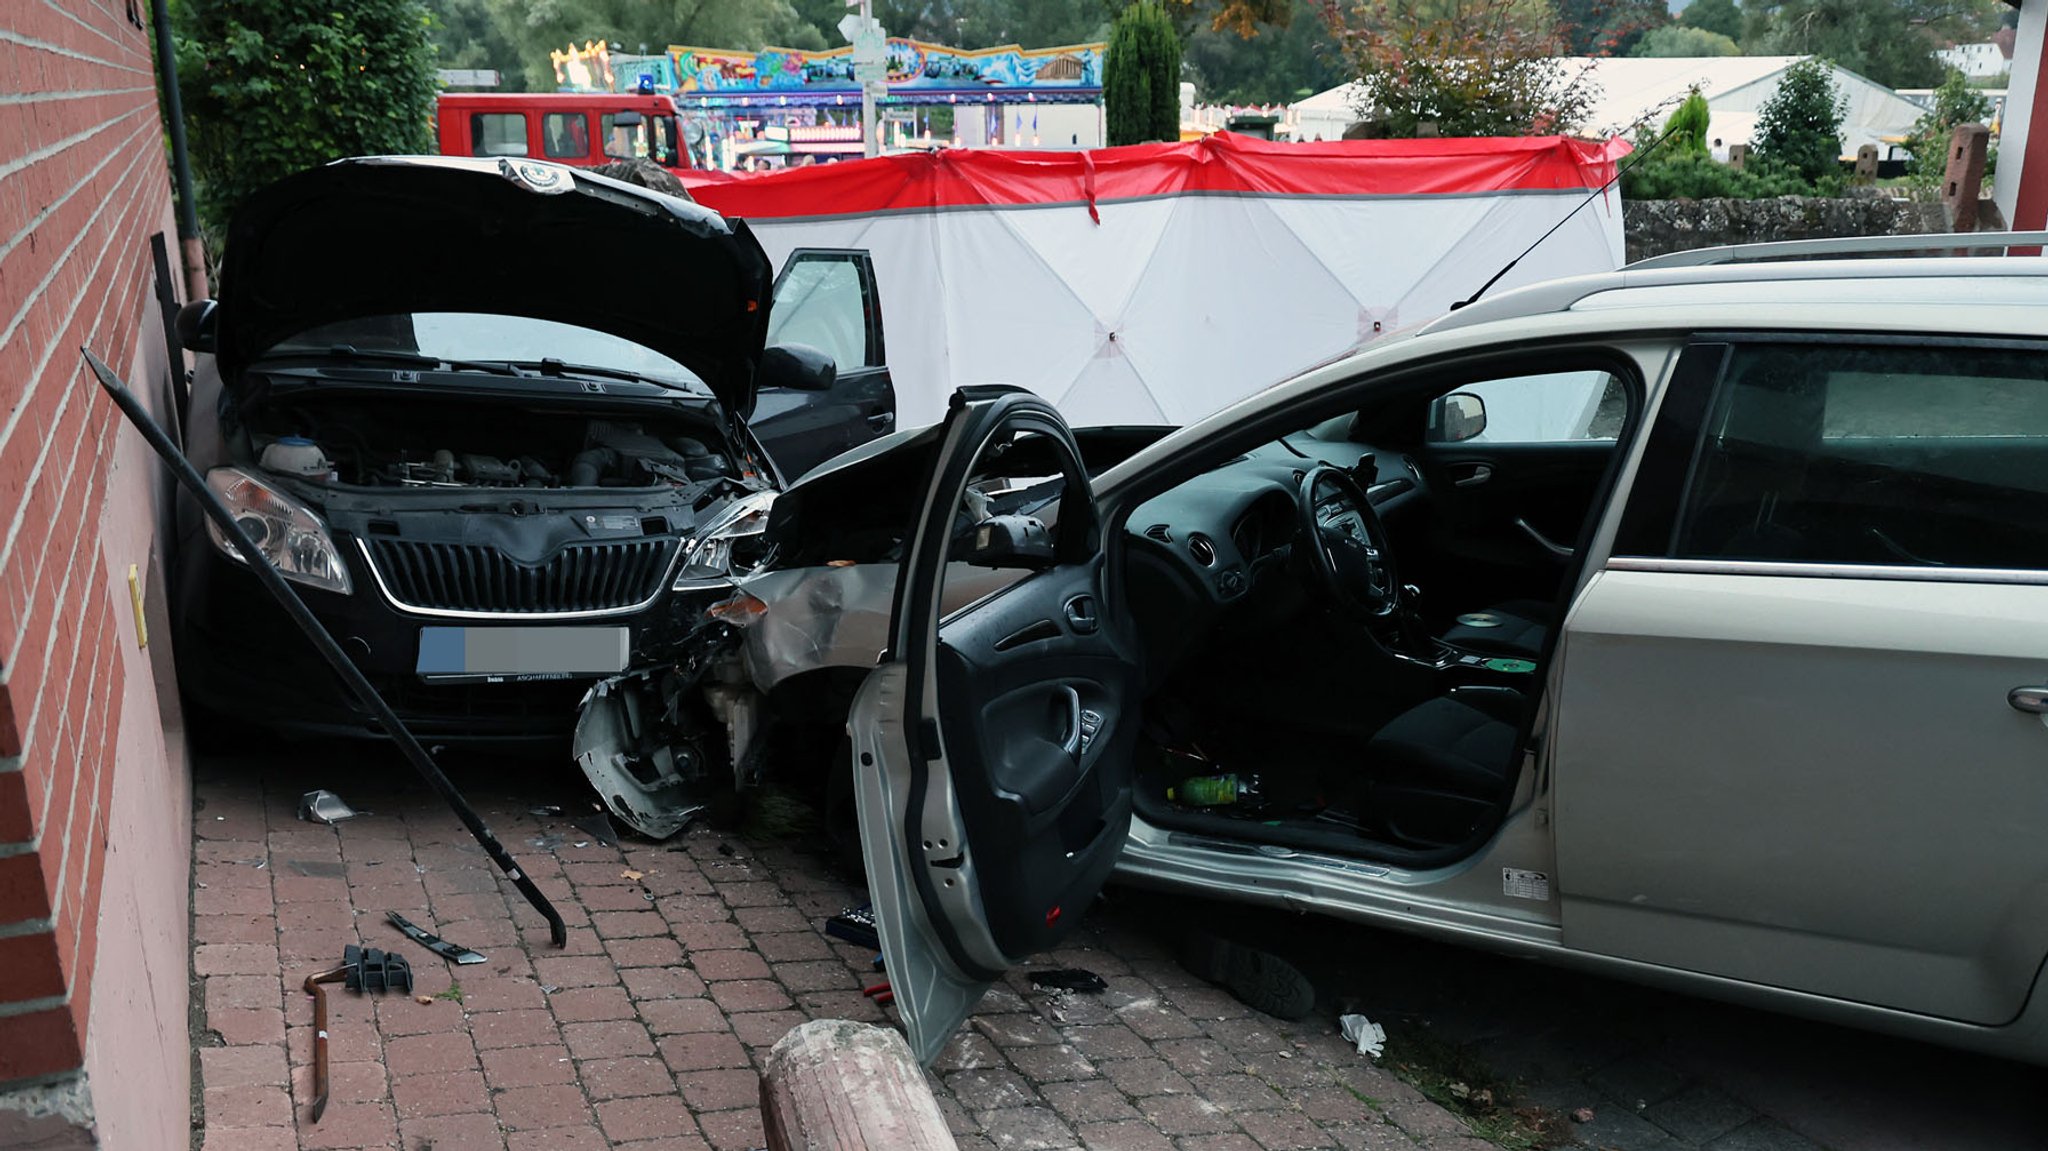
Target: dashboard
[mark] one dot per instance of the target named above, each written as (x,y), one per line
(1220,530)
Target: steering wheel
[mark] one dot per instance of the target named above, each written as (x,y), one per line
(1347,543)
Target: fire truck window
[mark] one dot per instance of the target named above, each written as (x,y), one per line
(566,135)
(497,134)
(624,141)
(665,146)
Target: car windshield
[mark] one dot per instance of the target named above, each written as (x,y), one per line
(482,337)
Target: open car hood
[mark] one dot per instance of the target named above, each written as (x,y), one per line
(391,235)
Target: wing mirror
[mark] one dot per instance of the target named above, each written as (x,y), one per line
(196,326)
(1455,418)
(1010,542)
(799,367)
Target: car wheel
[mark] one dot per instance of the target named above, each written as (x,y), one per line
(1260,980)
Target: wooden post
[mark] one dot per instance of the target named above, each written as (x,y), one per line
(1866,165)
(836,1085)
(1962,183)
(1738,156)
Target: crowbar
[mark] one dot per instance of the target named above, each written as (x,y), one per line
(259,565)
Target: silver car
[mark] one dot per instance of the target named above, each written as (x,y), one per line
(1682,624)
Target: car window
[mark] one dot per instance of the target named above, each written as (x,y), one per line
(623,141)
(565,135)
(1018,476)
(498,134)
(1555,407)
(819,303)
(1886,455)
(481,336)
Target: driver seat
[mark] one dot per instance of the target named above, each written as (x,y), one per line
(1516,628)
(1436,771)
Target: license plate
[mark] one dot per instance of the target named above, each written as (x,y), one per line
(523,652)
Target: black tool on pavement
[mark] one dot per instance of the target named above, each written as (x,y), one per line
(362,969)
(1070,979)
(856,925)
(433,942)
(259,566)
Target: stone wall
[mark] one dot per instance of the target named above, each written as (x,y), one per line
(1657,227)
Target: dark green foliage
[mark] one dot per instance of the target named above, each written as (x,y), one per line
(1669,175)
(275,86)
(1955,102)
(1719,16)
(1141,76)
(1800,126)
(1889,41)
(1682,40)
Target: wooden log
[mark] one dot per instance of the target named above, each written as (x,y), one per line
(836,1085)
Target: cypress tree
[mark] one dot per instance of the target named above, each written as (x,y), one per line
(1141,76)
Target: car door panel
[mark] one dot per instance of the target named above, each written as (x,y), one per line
(1483,494)
(1742,793)
(827,298)
(993,750)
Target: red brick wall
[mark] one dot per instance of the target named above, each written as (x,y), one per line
(82,187)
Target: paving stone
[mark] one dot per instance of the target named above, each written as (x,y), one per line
(1699,1114)
(559,1139)
(988,1089)
(735,1130)
(542,1106)
(607,1040)
(1140,1077)
(1763,1135)
(1132,1135)
(465,1132)
(493,1029)
(680,1016)
(818,975)
(591,1004)
(1636,1081)
(1185,1115)
(662,982)
(1199,1056)
(350,1125)
(1111,1042)
(502,993)
(1238,1092)
(1025,1129)
(654,952)
(516,1067)
(225,1067)
(628,924)
(1229,1141)
(247,1105)
(575,971)
(764,1028)
(624,1078)
(717,1090)
(447,1093)
(647,1117)
(1090,1102)
(1284,1131)
(717,965)
(750,995)
(1050,1064)
(1621,1129)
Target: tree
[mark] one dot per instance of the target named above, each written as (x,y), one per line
(1722,17)
(1955,102)
(1800,126)
(1607,27)
(468,35)
(1141,76)
(1889,41)
(536,29)
(1680,40)
(275,86)
(1688,125)
(1468,67)
(1283,62)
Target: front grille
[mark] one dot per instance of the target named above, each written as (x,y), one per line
(592,577)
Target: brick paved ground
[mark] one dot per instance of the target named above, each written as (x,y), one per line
(646,1031)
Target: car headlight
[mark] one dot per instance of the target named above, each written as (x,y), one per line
(730,544)
(287,532)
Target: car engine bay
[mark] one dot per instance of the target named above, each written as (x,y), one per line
(346,441)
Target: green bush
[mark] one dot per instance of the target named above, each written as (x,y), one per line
(272,87)
(1800,126)
(1955,102)
(1688,125)
(1692,176)
(1684,40)
(1141,76)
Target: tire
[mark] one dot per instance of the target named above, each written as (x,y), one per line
(1260,980)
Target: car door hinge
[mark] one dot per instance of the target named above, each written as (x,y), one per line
(928,739)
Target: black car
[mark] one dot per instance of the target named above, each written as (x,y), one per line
(493,420)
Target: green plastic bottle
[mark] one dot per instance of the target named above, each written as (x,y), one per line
(1209,790)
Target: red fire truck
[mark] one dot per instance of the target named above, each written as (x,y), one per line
(578,128)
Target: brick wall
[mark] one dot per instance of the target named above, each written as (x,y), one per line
(82,189)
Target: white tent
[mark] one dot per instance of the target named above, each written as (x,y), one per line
(1633,88)
(1163,282)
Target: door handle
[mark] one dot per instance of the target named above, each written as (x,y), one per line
(2033,700)
(883,421)
(1478,474)
(1070,742)
(1542,541)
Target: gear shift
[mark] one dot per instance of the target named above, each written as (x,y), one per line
(1415,635)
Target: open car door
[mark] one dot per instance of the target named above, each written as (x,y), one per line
(826,298)
(993,745)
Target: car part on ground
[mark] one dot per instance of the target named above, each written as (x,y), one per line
(454,953)
(363,969)
(324,806)
(274,583)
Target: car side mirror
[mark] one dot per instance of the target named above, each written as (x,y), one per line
(1456,418)
(799,367)
(196,325)
(1011,542)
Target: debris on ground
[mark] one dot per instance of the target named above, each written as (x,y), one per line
(1070,979)
(1370,1037)
(598,827)
(450,951)
(324,806)
(1583,1115)
(545,809)
(856,925)
(362,969)
(633,875)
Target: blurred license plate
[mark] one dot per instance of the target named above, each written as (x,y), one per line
(523,652)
